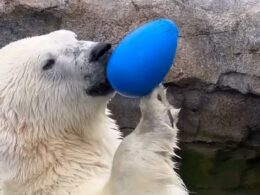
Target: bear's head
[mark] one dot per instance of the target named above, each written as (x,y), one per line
(53,79)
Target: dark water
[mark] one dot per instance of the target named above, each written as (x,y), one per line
(220,170)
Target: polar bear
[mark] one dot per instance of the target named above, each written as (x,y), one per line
(56,136)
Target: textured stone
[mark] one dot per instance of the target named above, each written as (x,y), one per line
(242,82)
(127,113)
(219,116)
(229,41)
(9,5)
(217,37)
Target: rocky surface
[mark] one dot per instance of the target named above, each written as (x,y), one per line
(218,54)
(219,51)
(206,115)
(219,40)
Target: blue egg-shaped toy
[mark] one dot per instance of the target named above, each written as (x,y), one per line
(143,58)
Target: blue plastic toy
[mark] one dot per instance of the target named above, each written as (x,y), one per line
(143,58)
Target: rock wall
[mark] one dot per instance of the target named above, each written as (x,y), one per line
(216,77)
(215,80)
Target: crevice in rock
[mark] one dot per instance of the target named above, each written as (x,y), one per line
(244,83)
(207,33)
(223,115)
(136,6)
(254,51)
(23,22)
(192,83)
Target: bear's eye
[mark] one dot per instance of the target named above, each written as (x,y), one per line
(49,64)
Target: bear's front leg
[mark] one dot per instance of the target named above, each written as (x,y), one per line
(142,163)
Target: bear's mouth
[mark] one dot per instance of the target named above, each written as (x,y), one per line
(101,89)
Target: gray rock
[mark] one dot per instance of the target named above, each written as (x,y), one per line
(41,5)
(242,82)
(127,113)
(221,116)
(217,36)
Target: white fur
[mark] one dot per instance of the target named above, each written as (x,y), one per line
(56,140)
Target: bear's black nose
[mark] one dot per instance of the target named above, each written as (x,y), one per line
(99,51)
